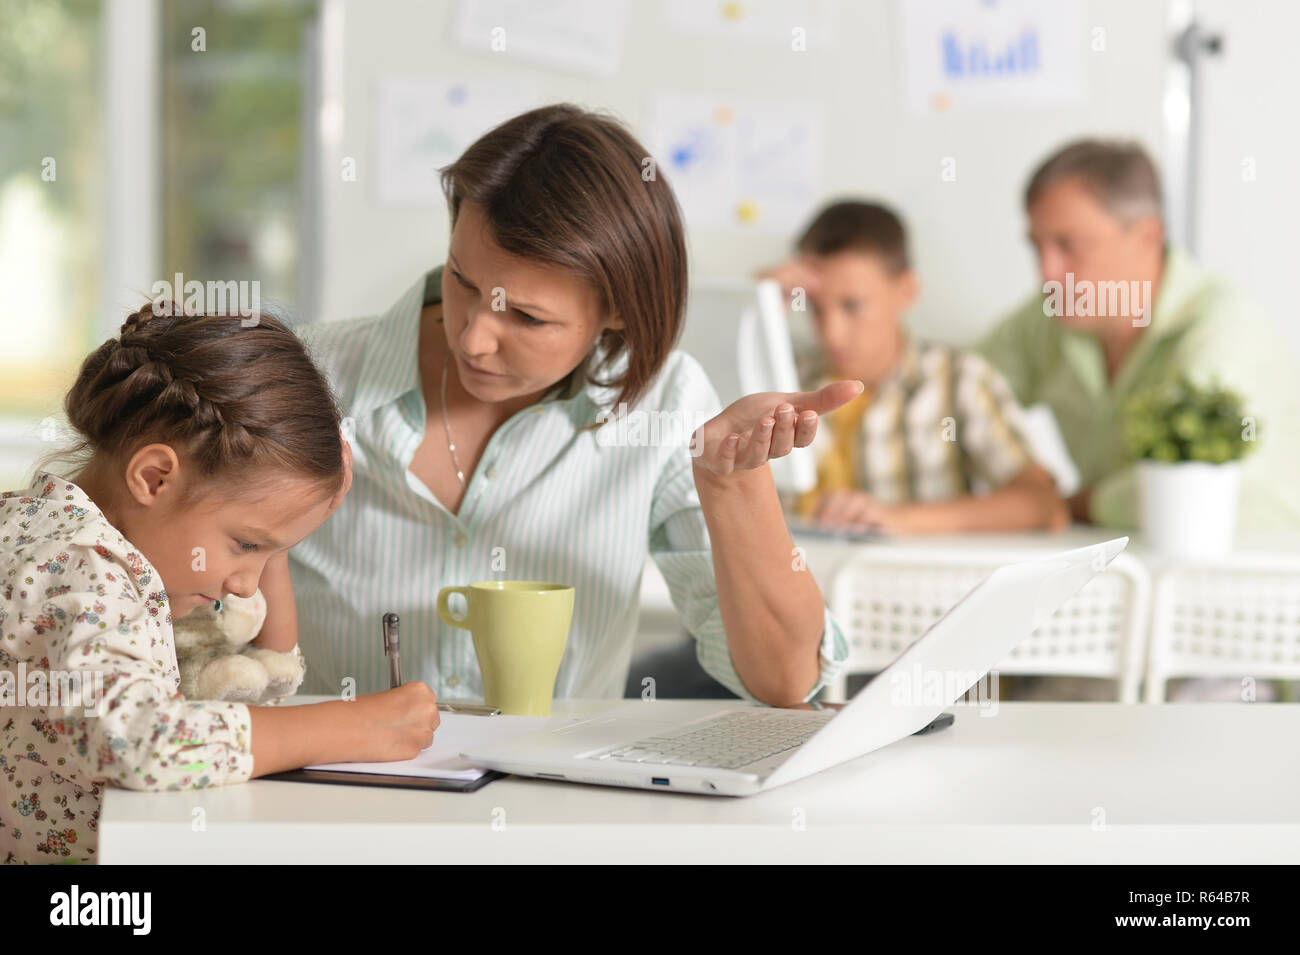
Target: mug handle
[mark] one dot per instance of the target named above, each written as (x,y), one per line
(445,612)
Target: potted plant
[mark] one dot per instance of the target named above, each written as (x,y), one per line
(1189,441)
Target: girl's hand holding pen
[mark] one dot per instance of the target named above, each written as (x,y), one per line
(374,728)
(394,724)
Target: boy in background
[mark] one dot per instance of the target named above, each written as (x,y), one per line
(934,444)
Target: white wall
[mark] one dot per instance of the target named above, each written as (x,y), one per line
(1247,227)
(968,235)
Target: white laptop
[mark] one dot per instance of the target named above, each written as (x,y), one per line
(704,747)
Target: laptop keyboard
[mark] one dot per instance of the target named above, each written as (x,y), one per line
(728,741)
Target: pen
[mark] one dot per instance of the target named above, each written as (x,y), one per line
(389,623)
(472,709)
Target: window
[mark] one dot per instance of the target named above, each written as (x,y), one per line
(234,77)
(202,110)
(51,185)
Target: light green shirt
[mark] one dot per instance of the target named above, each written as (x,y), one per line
(546,502)
(1199,326)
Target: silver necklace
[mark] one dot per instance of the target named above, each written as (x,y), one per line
(451,445)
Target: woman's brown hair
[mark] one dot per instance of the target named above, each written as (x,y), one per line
(574,188)
(239,400)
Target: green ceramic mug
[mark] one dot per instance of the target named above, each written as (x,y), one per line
(519,629)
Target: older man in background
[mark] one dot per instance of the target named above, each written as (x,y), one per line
(1121,309)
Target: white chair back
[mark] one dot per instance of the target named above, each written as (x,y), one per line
(885,598)
(1235,618)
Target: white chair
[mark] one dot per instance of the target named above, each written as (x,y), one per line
(1236,618)
(1049,448)
(885,597)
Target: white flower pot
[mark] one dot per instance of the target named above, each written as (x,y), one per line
(1189,509)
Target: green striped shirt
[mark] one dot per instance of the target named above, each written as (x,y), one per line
(546,502)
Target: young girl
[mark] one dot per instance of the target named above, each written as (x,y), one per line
(210,448)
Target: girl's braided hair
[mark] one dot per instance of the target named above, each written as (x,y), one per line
(239,400)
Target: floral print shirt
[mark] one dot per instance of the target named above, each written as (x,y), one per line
(89,684)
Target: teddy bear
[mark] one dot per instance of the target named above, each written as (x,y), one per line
(216,662)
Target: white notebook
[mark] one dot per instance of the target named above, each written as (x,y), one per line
(455,732)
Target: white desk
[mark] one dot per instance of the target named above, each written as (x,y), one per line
(1038,782)
(826,555)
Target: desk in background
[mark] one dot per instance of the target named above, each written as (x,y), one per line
(664,646)
(826,556)
(1147,620)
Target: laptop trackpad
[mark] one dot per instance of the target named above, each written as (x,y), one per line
(621,725)
(631,722)
(608,729)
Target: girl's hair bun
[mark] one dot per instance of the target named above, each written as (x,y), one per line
(237,400)
(156,317)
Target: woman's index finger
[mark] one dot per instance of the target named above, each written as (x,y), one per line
(828,397)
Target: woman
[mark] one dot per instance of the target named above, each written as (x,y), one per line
(477,404)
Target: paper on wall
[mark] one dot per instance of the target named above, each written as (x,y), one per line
(424,123)
(744,164)
(958,54)
(584,36)
(773,22)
